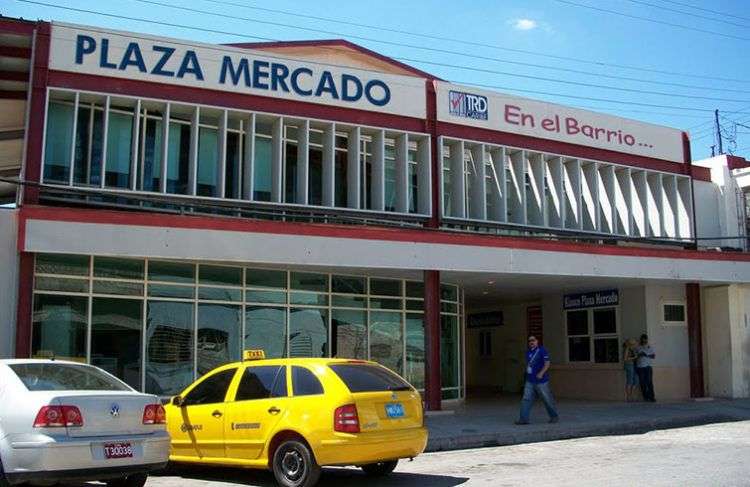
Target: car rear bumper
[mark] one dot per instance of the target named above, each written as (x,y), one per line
(364,448)
(82,474)
(54,457)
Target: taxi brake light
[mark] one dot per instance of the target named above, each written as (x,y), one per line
(346,419)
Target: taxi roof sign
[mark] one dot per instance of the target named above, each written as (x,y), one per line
(253,355)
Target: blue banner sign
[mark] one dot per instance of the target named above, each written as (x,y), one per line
(593,299)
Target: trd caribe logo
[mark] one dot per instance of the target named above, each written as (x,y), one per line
(467,105)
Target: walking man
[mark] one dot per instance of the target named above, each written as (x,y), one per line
(537,383)
(644,356)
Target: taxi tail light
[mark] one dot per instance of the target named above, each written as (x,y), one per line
(346,419)
(58,417)
(154,414)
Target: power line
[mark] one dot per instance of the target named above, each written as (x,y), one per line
(655,21)
(706,17)
(717,12)
(454,66)
(182,26)
(477,44)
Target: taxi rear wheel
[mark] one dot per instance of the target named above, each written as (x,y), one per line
(379,469)
(294,465)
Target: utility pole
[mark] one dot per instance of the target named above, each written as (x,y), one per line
(718,131)
(713,150)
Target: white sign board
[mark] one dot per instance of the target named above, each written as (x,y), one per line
(147,58)
(513,114)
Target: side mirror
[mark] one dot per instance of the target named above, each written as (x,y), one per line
(178,401)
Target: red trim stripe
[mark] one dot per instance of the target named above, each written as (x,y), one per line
(427,236)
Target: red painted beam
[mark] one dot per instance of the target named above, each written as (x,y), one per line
(13,51)
(24,310)
(433,386)
(695,339)
(13,26)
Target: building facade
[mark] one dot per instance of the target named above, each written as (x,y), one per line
(180,202)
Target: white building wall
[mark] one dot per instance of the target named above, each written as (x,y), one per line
(8,280)
(719,206)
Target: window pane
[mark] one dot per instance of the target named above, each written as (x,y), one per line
(413,181)
(304,382)
(385,303)
(349,333)
(606,350)
(308,332)
(449,307)
(348,284)
(233,168)
(415,289)
(258,383)
(265,278)
(315,175)
(449,350)
(97,148)
(82,172)
(414,305)
(262,166)
(219,328)
(314,299)
(385,287)
(116,326)
(290,172)
(171,271)
(219,294)
(57,146)
(59,327)
(578,322)
(605,321)
(208,162)
(150,178)
(304,281)
(579,349)
(220,275)
(119,145)
(61,284)
(348,301)
(448,293)
(265,329)
(117,287)
(178,158)
(169,347)
(386,342)
(118,268)
(415,356)
(674,313)
(390,177)
(73,265)
(340,175)
(212,390)
(167,291)
(273,297)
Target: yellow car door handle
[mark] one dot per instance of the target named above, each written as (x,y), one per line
(216,414)
(274,410)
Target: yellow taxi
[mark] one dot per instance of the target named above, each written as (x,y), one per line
(295,415)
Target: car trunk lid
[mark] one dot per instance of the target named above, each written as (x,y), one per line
(108,414)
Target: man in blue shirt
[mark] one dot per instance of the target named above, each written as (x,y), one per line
(537,383)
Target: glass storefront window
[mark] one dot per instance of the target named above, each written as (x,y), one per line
(149,177)
(415,353)
(385,287)
(119,145)
(449,350)
(178,158)
(116,329)
(59,327)
(215,275)
(219,328)
(208,162)
(265,278)
(117,268)
(169,347)
(349,334)
(308,332)
(71,265)
(348,284)
(171,271)
(304,281)
(58,139)
(386,341)
(233,166)
(265,329)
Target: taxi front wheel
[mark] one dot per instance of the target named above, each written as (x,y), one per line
(294,465)
(379,469)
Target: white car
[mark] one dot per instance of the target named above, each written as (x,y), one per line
(69,421)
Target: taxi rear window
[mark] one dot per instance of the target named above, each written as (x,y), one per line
(369,378)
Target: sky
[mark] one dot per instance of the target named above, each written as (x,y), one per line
(670,62)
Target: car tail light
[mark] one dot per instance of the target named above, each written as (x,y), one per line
(346,419)
(58,417)
(154,414)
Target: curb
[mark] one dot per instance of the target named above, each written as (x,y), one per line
(554,432)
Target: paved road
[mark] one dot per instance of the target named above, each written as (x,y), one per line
(716,455)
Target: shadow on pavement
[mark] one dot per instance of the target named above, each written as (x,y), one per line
(331,477)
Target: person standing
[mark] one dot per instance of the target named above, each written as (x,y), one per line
(537,383)
(628,359)
(644,357)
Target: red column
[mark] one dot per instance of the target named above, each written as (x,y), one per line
(695,339)
(23,309)
(38,100)
(432,339)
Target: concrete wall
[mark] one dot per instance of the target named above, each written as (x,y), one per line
(727,340)
(8,280)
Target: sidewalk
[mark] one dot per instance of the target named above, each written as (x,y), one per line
(489,422)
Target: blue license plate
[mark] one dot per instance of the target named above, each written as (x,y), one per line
(394,410)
